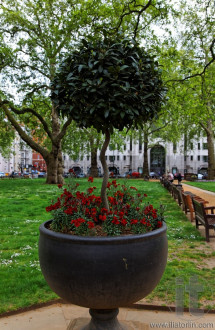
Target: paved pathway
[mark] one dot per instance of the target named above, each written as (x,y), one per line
(71,317)
(207,195)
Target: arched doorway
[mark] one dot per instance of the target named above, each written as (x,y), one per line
(113,169)
(157,160)
(77,169)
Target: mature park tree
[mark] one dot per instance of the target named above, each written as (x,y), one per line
(193,77)
(38,33)
(108,84)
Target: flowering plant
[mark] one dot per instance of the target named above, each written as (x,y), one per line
(80,213)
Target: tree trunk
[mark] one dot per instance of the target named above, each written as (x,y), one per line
(211,159)
(53,159)
(54,163)
(94,163)
(105,169)
(60,179)
(145,156)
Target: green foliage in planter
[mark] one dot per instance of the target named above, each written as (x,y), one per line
(109,84)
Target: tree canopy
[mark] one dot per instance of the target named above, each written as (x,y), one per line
(109,84)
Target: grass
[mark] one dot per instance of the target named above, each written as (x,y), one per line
(22,210)
(206,185)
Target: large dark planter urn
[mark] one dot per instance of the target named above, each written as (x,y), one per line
(102,273)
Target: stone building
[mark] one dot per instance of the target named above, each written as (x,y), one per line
(19,160)
(162,158)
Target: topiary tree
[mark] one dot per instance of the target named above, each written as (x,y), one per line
(108,84)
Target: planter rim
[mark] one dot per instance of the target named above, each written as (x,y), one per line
(100,239)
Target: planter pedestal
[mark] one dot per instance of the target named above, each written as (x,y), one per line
(104,319)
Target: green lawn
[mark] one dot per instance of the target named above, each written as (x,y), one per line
(23,203)
(210,186)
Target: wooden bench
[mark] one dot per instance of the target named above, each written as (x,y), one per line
(177,193)
(203,218)
(187,203)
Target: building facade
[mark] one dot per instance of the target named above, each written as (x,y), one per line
(162,158)
(19,160)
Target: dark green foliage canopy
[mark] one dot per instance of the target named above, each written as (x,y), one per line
(108,84)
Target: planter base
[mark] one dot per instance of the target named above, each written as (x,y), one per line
(102,319)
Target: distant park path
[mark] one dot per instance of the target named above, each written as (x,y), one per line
(205,194)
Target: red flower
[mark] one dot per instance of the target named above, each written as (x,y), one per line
(134,221)
(60,186)
(115,221)
(90,190)
(159,224)
(124,222)
(77,222)
(102,217)
(55,206)
(143,221)
(90,224)
(112,200)
(90,179)
(134,188)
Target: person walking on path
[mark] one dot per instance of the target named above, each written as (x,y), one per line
(170,177)
(179,177)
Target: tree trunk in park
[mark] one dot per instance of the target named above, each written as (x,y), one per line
(60,179)
(53,159)
(211,154)
(145,156)
(94,163)
(105,169)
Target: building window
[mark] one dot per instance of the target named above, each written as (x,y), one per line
(198,158)
(130,158)
(111,159)
(140,144)
(205,158)
(88,157)
(124,146)
(191,158)
(191,146)
(199,146)
(174,147)
(185,158)
(205,146)
(118,158)
(130,143)
(124,157)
